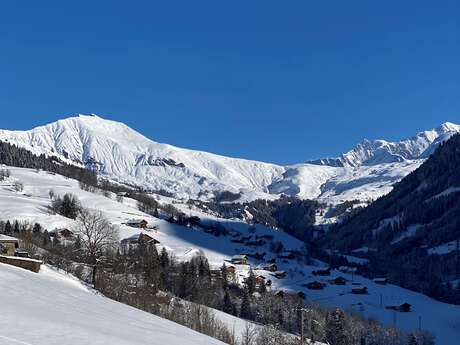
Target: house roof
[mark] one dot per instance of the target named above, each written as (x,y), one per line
(135,237)
(136,221)
(5,238)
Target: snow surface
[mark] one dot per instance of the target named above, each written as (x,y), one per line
(120,153)
(186,242)
(443,249)
(50,308)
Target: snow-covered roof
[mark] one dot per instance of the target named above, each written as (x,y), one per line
(5,238)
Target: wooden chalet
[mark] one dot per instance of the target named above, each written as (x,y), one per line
(270,267)
(315,285)
(8,245)
(359,290)
(240,259)
(381,281)
(137,223)
(63,234)
(403,308)
(280,274)
(132,242)
(322,272)
(338,281)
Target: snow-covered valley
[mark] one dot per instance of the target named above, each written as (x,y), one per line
(31,205)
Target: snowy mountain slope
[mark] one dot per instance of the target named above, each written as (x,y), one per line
(49,308)
(117,152)
(380,151)
(185,242)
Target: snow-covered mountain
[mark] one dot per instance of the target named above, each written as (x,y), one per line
(118,152)
(377,152)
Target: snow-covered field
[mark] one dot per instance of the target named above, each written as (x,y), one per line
(439,318)
(50,308)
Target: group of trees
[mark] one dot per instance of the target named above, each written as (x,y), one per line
(293,215)
(420,202)
(13,155)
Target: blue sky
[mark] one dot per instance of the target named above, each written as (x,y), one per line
(275,81)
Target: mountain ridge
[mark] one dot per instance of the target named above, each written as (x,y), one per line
(116,151)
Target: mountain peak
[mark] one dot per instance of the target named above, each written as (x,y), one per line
(375,152)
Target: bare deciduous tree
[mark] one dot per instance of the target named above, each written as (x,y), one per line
(97,234)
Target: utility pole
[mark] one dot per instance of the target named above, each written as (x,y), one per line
(301,327)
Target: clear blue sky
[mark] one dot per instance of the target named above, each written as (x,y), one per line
(267,80)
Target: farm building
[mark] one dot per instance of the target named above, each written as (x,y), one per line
(63,234)
(280,274)
(403,308)
(270,267)
(338,281)
(132,242)
(381,281)
(137,223)
(8,245)
(322,272)
(316,285)
(359,290)
(240,260)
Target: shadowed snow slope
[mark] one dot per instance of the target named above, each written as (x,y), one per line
(120,153)
(49,308)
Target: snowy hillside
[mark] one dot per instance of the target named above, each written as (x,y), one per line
(185,242)
(120,153)
(49,308)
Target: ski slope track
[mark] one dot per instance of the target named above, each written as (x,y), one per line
(118,152)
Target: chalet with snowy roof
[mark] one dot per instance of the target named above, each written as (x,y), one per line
(135,240)
(280,274)
(240,259)
(270,267)
(381,281)
(63,234)
(403,308)
(338,281)
(8,245)
(315,285)
(359,290)
(137,223)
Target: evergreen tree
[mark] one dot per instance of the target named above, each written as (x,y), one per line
(335,328)
(251,282)
(227,305)
(16,227)
(245,311)
(37,228)
(8,227)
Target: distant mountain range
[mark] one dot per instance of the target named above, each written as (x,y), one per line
(118,152)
